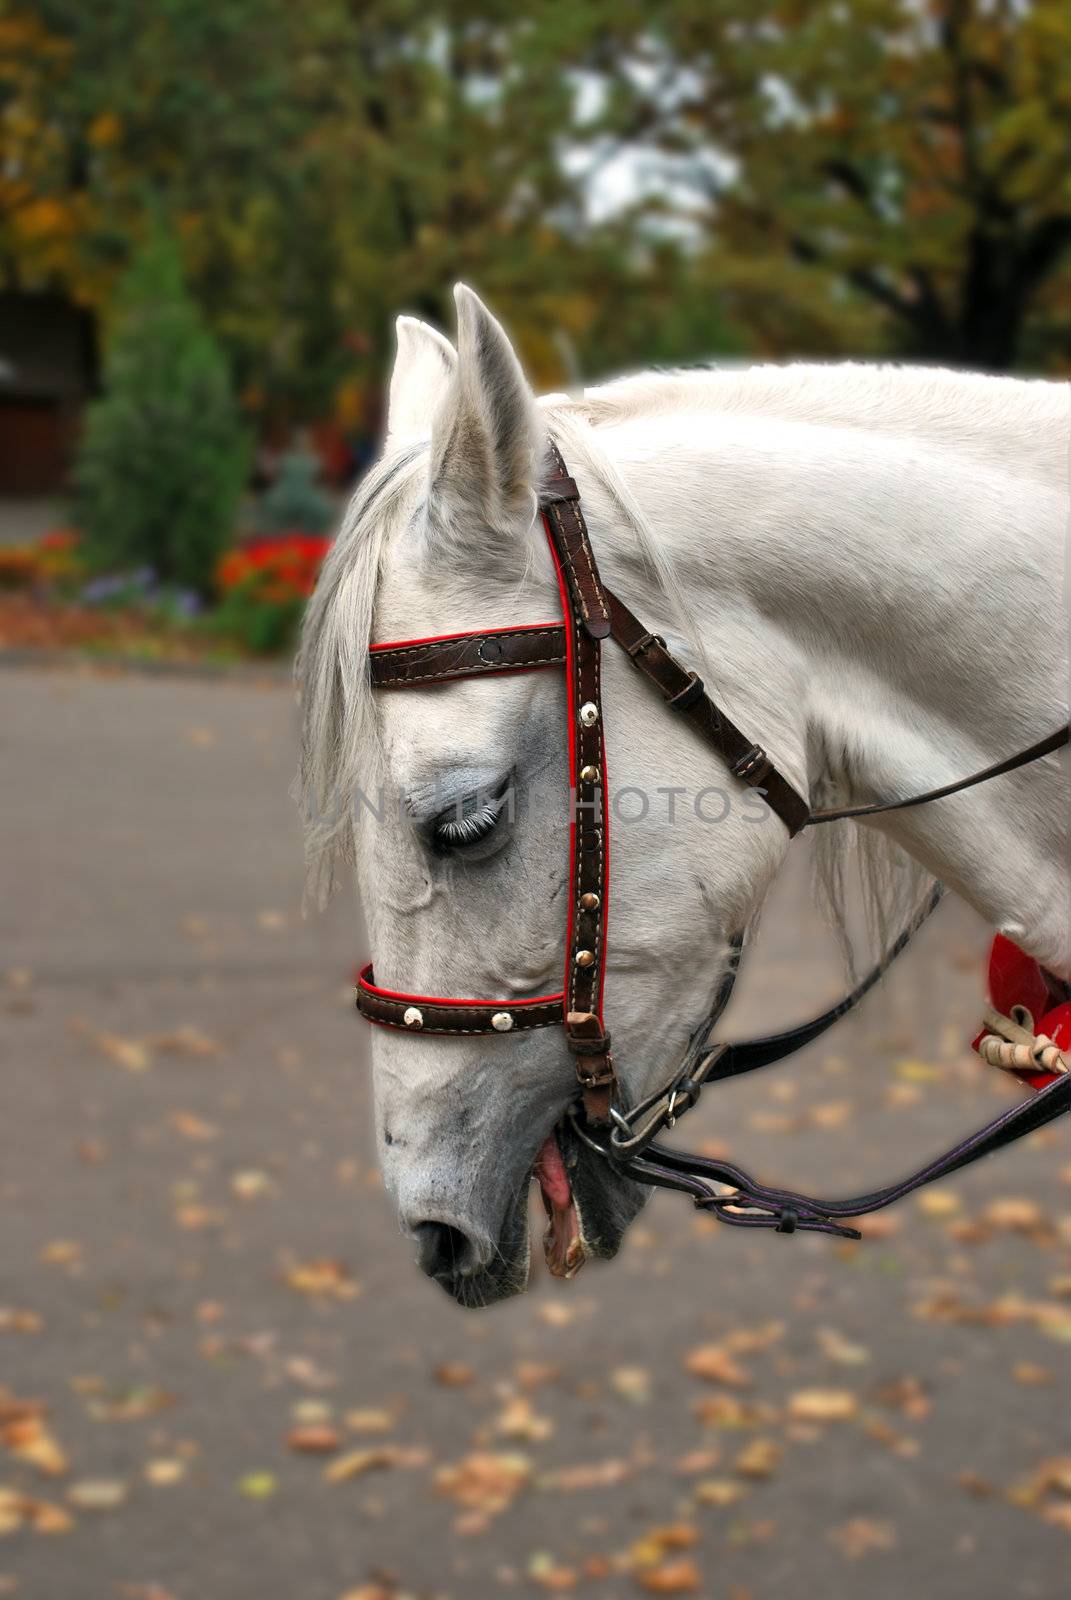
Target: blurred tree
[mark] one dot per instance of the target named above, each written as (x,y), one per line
(163,457)
(888,157)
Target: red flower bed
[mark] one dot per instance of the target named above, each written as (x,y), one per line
(283,568)
(264,585)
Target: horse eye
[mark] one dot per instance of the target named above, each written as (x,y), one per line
(469,821)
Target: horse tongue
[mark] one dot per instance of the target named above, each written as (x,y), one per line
(562,1246)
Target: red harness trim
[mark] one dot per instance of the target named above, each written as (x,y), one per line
(364,981)
(572,689)
(470,633)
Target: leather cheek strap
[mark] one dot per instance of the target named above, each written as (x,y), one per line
(588,621)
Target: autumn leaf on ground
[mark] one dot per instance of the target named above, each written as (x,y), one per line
(518,1421)
(484,1481)
(535,1374)
(314,1439)
(329,1280)
(671,1577)
(907,1395)
(727,1411)
(17,1320)
(198,1218)
(592,1475)
(26,1436)
(453,1374)
(658,1542)
(714,1363)
(822,1405)
(133,1055)
(556,1314)
(1015,1214)
(369,1419)
(191,1126)
(186,1041)
(258,1485)
(882,1432)
(19,1510)
(759,1459)
(975,1485)
(1032,1375)
(917,1071)
(98,1494)
(128,1405)
(876,1226)
(719,1492)
(859,1536)
(250,1183)
(846,1352)
(355,1463)
(834,1114)
(546,1572)
(746,1341)
(1052,1476)
(634,1383)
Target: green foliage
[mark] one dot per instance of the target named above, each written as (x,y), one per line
(827,177)
(296,500)
(262,627)
(163,458)
(885,170)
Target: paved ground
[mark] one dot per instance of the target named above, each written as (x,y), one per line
(198,1259)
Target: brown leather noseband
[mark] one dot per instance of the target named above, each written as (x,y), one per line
(592,613)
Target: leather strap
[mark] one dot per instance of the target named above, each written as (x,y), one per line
(587,622)
(559,502)
(466,655)
(1043,747)
(758,1205)
(417,1013)
(683,692)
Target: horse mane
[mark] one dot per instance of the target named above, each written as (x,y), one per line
(339,744)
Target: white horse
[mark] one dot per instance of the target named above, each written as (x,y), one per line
(866,565)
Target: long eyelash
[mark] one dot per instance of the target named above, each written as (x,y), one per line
(466,830)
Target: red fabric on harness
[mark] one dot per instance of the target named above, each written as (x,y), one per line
(571,689)
(1016,979)
(363,982)
(469,633)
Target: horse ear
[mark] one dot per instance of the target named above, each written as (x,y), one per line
(487,437)
(423,366)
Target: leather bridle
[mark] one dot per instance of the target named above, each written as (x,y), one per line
(621,1134)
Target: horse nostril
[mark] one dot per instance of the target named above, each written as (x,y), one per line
(443,1251)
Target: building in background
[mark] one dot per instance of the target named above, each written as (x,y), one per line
(48,369)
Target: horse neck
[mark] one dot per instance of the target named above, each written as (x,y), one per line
(869,611)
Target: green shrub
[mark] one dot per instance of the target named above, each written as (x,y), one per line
(163,457)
